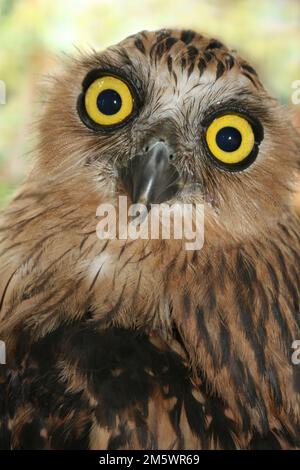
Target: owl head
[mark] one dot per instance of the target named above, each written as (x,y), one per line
(170,115)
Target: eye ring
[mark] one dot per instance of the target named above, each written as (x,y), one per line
(99,82)
(245,133)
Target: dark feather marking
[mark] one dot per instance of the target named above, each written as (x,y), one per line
(140,45)
(6,287)
(50,307)
(103,248)
(121,439)
(30,436)
(296,234)
(296,378)
(83,241)
(208,56)
(247,275)
(250,331)
(194,259)
(287,281)
(214,44)
(190,70)
(240,376)
(204,335)
(170,268)
(225,343)
(169,63)
(65,436)
(122,250)
(160,50)
(265,442)
(175,77)
(175,415)
(169,43)
(184,265)
(187,36)
(113,312)
(221,428)
(41,281)
(272,378)
(201,66)
(229,60)
(163,34)
(288,435)
(296,275)
(246,270)
(259,404)
(125,57)
(86,252)
(128,261)
(220,70)
(212,301)
(95,277)
(296,255)
(137,289)
(273,277)
(141,429)
(249,69)
(13,246)
(145,255)
(250,78)
(244,415)
(92,232)
(192,53)
(196,417)
(5,434)
(186,303)
(54,262)
(263,313)
(222,271)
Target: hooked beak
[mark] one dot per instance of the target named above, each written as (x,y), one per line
(151,178)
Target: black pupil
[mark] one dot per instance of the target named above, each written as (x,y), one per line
(109,102)
(229,139)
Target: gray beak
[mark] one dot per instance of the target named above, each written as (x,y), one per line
(151,178)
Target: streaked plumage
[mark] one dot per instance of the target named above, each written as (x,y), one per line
(117,344)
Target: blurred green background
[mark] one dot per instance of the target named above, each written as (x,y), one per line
(33,32)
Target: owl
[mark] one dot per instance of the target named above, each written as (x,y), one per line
(119,343)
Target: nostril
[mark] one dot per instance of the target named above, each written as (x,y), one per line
(158,146)
(147,147)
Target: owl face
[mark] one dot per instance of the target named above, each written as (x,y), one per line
(171,116)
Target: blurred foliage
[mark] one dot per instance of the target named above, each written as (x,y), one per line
(32,32)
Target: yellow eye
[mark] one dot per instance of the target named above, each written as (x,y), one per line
(108,101)
(230,139)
